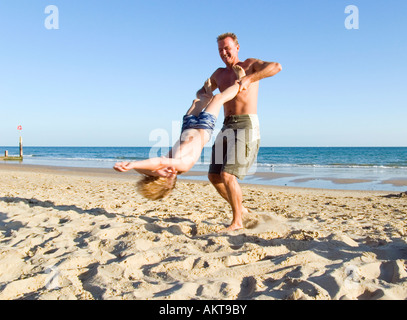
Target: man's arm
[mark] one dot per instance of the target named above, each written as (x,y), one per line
(261,70)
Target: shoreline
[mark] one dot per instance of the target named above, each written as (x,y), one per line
(264,179)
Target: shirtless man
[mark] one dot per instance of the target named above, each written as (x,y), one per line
(232,158)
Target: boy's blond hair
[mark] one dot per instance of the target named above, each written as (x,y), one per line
(155,188)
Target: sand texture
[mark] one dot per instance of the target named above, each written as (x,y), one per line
(78,236)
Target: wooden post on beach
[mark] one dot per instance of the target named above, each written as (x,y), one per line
(19,128)
(21,147)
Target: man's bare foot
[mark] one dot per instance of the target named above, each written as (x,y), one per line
(249,221)
(238,225)
(232,227)
(239,71)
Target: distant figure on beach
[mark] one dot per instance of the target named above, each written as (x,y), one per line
(198,124)
(232,157)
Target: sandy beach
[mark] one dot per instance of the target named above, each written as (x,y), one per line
(86,234)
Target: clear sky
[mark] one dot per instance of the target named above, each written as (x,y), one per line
(115,71)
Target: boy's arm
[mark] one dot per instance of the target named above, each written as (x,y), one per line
(163,167)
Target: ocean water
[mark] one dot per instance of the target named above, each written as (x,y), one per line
(318,167)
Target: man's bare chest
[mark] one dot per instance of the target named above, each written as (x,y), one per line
(226,80)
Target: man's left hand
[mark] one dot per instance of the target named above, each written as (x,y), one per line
(244,83)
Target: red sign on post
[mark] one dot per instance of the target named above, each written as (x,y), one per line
(19,128)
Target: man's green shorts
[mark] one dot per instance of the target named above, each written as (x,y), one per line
(236,146)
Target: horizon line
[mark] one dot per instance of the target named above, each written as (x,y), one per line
(99,146)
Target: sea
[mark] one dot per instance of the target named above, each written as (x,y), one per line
(348,168)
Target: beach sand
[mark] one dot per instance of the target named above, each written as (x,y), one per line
(87,234)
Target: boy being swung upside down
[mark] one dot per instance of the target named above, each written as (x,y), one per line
(198,124)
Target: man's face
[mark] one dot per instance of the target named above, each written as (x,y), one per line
(228,51)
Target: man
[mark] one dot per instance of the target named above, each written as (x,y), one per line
(237,144)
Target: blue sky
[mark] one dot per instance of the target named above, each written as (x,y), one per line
(115,71)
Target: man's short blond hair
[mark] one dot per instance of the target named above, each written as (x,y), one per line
(155,188)
(228,35)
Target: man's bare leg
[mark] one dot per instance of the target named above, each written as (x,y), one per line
(217,182)
(239,211)
(235,196)
(225,183)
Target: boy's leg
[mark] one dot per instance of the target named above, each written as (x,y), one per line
(200,103)
(196,107)
(220,99)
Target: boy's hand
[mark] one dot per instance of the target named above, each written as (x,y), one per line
(122,166)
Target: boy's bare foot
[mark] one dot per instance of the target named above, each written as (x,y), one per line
(208,86)
(239,71)
(205,98)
